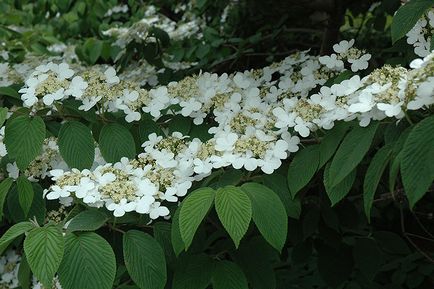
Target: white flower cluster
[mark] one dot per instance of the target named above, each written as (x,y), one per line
(9,266)
(254,118)
(345,51)
(420,36)
(188,26)
(116,9)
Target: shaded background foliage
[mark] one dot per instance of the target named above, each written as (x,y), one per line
(327,247)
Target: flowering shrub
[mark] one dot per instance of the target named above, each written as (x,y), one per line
(132,155)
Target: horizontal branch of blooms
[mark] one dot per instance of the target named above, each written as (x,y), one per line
(256,118)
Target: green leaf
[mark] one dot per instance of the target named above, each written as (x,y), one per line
(234,210)
(5,185)
(144,259)
(394,171)
(181,124)
(76,145)
(24,273)
(228,275)
(175,234)
(278,184)
(335,264)
(407,16)
(351,152)
(268,214)
(92,49)
(25,194)
(373,175)
(115,142)
(3,115)
(331,141)
(338,192)
(88,263)
(9,91)
(417,166)
(13,232)
(44,250)
(194,209)
(193,271)
(368,257)
(24,137)
(89,220)
(302,168)
(37,210)
(162,233)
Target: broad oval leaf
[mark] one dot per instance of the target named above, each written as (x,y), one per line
(25,194)
(331,141)
(115,142)
(234,210)
(194,209)
(367,256)
(3,115)
(338,192)
(44,249)
(24,137)
(76,145)
(13,232)
(373,175)
(88,263)
(144,259)
(5,185)
(193,271)
(407,16)
(417,165)
(175,234)
(302,168)
(351,152)
(268,214)
(228,275)
(89,220)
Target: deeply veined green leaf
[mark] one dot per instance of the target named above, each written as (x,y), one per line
(115,142)
(407,16)
(278,183)
(351,152)
(193,271)
(13,232)
(89,220)
(373,175)
(162,234)
(3,115)
(228,275)
(25,194)
(417,165)
(24,273)
(144,259)
(76,145)
(44,250)
(338,192)
(268,214)
(302,168)
(24,137)
(88,263)
(5,185)
(234,210)
(331,141)
(194,209)
(175,234)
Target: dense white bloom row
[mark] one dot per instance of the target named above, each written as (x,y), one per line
(9,266)
(254,117)
(420,36)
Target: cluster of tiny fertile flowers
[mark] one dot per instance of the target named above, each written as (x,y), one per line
(346,53)
(420,36)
